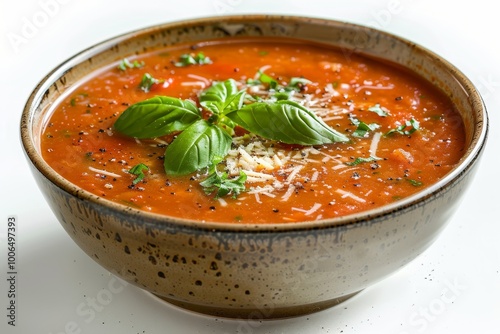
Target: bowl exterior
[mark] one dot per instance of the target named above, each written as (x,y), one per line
(247,274)
(258,272)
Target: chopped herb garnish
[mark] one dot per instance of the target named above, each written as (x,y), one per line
(360,160)
(137,170)
(125,63)
(222,185)
(75,99)
(379,110)
(266,79)
(406,129)
(189,59)
(297,83)
(363,129)
(415,183)
(147,82)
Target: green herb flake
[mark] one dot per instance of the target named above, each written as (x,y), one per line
(379,110)
(125,63)
(297,83)
(406,129)
(222,185)
(363,129)
(266,79)
(361,160)
(137,170)
(415,183)
(75,99)
(189,59)
(147,82)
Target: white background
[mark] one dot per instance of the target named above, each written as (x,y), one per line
(454,287)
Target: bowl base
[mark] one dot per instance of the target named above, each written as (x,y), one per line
(258,312)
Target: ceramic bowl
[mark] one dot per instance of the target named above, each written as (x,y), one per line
(264,271)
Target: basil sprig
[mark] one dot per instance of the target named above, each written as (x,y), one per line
(204,141)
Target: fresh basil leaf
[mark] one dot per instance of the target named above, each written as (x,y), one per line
(378,110)
(285,121)
(196,147)
(157,117)
(222,96)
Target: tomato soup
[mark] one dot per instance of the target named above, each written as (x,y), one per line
(397,134)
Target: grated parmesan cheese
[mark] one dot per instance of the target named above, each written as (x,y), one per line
(103,172)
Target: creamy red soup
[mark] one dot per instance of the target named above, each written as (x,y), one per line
(397,133)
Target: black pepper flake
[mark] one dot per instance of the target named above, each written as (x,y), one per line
(276,210)
(398,98)
(102,150)
(212,208)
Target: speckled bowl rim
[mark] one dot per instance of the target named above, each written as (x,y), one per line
(478,139)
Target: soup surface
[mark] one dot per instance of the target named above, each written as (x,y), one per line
(398,133)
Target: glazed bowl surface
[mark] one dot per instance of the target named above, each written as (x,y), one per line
(252,270)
